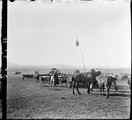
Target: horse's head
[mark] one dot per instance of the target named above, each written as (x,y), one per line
(95,74)
(98,73)
(115,76)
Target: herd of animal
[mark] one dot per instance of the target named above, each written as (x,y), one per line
(90,79)
(63,78)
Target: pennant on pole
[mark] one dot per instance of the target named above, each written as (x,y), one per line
(77,43)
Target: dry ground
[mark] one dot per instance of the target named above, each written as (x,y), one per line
(27,99)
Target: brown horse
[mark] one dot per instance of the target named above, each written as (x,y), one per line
(87,78)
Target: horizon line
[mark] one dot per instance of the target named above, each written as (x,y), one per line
(91,66)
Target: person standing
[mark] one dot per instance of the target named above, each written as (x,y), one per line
(56,78)
(94,79)
(23,77)
(37,77)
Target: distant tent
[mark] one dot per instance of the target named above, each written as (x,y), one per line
(53,70)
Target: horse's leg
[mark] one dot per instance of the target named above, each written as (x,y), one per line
(74,87)
(107,95)
(115,85)
(51,83)
(66,83)
(77,88)
(91,87)
(88,86)
(48,81)
(100,91)
(103,89)
(38,79)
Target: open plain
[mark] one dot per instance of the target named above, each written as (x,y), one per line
(28,99)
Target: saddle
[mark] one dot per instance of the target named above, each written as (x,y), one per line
(112,76)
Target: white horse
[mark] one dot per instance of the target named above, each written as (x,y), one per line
(106,82)
(101,82)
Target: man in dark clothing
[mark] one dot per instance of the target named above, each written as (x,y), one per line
(37,78)
(56,78)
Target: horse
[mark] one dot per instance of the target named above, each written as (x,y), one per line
(101,83)
(128,78)
(106,82)
(129,81)
(27,76)
(17,72)
(69,81)
(66,79)
(87,78)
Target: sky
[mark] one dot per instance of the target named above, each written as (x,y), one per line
(44,34)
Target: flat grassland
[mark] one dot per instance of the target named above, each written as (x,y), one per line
(28,99)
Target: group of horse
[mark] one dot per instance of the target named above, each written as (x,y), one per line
(102,80)
(91,79)
(27,76)
(62,78)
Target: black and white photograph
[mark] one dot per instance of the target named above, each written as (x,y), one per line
(68,59)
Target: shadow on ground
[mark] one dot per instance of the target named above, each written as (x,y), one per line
(114,94)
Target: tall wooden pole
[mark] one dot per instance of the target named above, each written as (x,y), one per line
(83,59)
(81,54)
